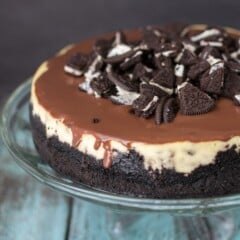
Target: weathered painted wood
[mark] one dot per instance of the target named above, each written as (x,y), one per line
(88,221)
(28,210)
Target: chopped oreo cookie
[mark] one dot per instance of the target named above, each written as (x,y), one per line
(193,101)
(159,111)
(162,61)
(151,90)
(142,72)
(122,81)
(233,66)
(145,105)
(231,85)
(118,58)
(236,99)
(164,71)
(153,38)
(170,110)
(187,57)
(77,64)
(198,68)
(165,77)
(102,47)
(169,49)
(166,110)
(131,61)
(208,34)
(209,51)
(120,38)
(213,80)
(103,86)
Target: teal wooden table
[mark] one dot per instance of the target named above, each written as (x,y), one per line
(31,211)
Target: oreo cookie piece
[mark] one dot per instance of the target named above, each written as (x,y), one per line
(161,61)
(209,51)
(212,81)
(120,38)
(77,64)
(236,99)
(148,59)
(170,110)
(142,72)
(208,34)
(118,58)
(151,90)
(159,111)
(235,55)
(131,61)
(102,47)
(145,105)
(169,49)
(214,43)
(123,81)
(179,70)
(153,38)
(230,43)
(102,86)
(164,77)
(233,66)
(193,101)
(189,45)
(198,68)
(180,81)
(187,57)
(231,85)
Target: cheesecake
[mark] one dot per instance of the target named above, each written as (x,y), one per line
(151,113)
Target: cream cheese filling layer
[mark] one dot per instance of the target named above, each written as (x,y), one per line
(183,157)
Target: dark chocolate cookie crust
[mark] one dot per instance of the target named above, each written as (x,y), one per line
(128,176)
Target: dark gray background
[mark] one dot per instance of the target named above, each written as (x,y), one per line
(31,31)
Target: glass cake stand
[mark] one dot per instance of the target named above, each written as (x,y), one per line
(112,216)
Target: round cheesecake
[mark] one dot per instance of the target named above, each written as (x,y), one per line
(150,115)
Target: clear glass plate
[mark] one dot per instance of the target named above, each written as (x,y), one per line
(16,133)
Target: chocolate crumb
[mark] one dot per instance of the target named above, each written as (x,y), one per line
(95,120)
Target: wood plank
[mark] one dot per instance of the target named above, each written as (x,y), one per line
(29,210)
(87,221)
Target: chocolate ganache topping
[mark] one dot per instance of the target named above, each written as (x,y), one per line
(163,73)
